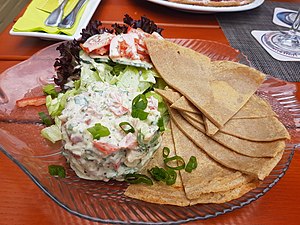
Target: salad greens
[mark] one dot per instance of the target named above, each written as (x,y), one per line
(68,64)
(76,70)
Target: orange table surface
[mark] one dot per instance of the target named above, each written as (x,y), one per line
(175,23)
(23,203)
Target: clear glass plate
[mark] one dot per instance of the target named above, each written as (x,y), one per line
(101,201)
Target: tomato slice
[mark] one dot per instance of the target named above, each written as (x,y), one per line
(34,101)
(106,148)
(98,43)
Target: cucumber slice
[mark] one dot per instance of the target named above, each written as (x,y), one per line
(136,63)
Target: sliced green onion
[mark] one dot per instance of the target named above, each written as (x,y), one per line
(166,152)
(135,178)
(139,103)
(180,164)
(172,176)
(138,113)
(158,174)
(99,131)
(45,119)
(49,89)
(57,170)
(191,165)
(160,124)
(124,126)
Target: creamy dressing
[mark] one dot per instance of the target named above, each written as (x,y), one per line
(117,154)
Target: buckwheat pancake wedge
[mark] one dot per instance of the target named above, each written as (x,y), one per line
(225,196)
(257,129)
(250,148)
(256,107)
(258,167)
(193,116)
(159,192)
(185,105)
(170,96)
(266,128)
(218,89)
(258,149)
(210,128)
(209,176)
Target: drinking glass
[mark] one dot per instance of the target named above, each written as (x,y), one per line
(285,42)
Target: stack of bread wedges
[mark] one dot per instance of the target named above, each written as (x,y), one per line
(215,116)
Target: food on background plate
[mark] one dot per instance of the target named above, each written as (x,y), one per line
(112,119)
(214,3)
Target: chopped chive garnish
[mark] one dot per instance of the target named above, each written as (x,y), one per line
(45,119)
(126,127)
(57,170)
(166,152)
(139,104)
(135,178)
(99,131)
(191,165)
(160,174)
(49,89)
(180,164)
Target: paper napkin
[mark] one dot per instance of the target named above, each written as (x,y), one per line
(37,12)
(280,55)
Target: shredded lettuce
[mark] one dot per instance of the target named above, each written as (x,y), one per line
(52,133)
(56,105)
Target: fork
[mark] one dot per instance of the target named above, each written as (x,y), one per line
(69,20)
(55,17)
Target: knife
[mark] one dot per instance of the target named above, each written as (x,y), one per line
(69,20)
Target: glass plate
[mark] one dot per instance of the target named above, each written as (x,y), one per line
(101,201)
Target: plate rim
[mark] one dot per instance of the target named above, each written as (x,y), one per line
(61,204)
(207,9)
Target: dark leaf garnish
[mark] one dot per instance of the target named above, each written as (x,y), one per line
(144,23)
(66,65)
(120,29)
(93,28)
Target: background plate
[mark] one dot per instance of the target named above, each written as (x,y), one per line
(86,16)
(207,9)
(105,201)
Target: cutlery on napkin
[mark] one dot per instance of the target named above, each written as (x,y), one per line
(38,11)
(56,15)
